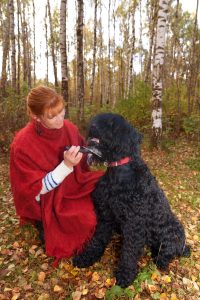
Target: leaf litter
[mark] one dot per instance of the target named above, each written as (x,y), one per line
(27,273)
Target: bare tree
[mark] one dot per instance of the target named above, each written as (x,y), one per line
(63,52)
(47,48)
(132,49)
(18,46)
(158,71)
(94,52)
(13,51)
(52,45)
(152,18)
(5,45)
(34,50)
(193,64)
(80,74)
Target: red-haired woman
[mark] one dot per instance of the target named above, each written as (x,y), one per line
(51,185)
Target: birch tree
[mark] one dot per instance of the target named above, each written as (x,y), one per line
(157,72)
(80,74)
(63,52)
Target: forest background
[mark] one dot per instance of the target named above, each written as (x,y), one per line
(101,56)
(139,58)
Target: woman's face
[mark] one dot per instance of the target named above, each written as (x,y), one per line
(53,120)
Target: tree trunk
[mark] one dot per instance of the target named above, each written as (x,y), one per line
(13,51)
(109,58)
(152,28)
(157,73)
(80,74)
(101,100)
(63,52)
(130,83)
(34,50)
(52,45)
(94,53)
(19,47)
(193,64)
(24,45)
(5,45)
(114,72)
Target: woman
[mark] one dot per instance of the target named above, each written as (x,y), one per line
(50,184)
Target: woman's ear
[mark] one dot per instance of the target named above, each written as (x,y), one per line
(34,117)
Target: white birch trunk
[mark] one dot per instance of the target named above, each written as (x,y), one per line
(158,70)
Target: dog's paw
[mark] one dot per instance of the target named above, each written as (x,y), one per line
(81,261)
(163,266)
(186,251)
(123,279)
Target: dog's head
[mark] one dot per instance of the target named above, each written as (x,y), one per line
(112,136)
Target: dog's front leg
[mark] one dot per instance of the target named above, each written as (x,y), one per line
(96,246)
(132,249)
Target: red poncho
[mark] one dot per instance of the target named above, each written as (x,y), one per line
(67,212)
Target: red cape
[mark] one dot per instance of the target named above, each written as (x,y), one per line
(67,212)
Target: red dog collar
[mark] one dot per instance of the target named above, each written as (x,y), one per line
(120,162)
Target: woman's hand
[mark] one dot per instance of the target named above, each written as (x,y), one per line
(72,157)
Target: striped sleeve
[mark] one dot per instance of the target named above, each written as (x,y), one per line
(54,179)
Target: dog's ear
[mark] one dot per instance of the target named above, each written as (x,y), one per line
(135,140)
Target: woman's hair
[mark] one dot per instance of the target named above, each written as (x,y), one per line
(44,100)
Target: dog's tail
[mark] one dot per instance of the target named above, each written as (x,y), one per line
(186,251)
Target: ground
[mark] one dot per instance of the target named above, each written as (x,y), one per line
(27,273)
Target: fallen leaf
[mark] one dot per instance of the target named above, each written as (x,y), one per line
(95,276)
(100,293)
(195,237)
(57,289)
(41,276)
(84,292)
(163,296)
(7,289)
(156,276)
(76,295)
(44,267)
(166,279)
(152,288)
(15,245)
(173,297)
(43,296)
(15,296)
(75,271)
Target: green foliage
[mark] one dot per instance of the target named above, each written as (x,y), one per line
(194,164)
(191,125)
(116,292)
(13,116)
(137,108)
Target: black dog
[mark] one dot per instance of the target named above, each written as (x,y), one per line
(128,198)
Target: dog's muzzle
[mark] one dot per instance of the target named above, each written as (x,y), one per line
(95,153)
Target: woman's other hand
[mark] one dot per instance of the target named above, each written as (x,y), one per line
(72,157)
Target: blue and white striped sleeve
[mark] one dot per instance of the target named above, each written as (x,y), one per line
(54,179)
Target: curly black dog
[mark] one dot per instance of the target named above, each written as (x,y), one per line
(128,198)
